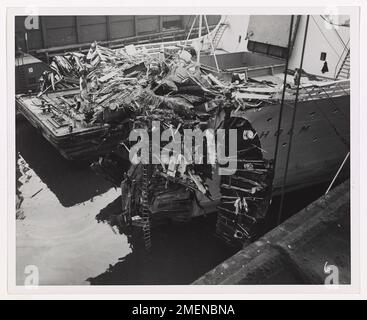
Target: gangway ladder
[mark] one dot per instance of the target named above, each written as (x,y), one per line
(219,33)
(145,212)
(344,70)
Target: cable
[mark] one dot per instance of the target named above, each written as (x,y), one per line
(340,39)
(188,22)
(293,122)
(283,93)
(192,27)
(337,173)
(334,24)
(211,42)
(325,36)
(336,31)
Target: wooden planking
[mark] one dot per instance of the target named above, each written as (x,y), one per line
(77,145)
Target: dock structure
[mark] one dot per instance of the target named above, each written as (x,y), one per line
(300,250)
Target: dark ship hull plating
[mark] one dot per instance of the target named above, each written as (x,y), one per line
(318,146)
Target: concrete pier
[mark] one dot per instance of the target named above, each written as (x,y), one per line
(296,251)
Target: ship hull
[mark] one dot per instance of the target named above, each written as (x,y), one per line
(320,139)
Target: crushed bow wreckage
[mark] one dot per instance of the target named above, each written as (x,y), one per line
(114,92)
(87,101)
(178,94)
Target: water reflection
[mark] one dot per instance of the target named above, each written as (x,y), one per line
(65,243)
(180,254)
(57,202)
(66,217)
(71,182)
(66,226)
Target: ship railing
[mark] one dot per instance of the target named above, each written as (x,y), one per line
(168,36)
(329,89)
(311,91)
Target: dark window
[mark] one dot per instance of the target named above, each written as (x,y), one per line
(268,49)
(323,56)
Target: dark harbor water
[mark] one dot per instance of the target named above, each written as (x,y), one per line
(57,229)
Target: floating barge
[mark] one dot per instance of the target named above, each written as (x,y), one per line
(73,139)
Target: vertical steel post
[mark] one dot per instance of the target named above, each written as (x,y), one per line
(200,26)
(292,125)
(284,89)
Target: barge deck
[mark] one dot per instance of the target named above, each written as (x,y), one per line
(74,139)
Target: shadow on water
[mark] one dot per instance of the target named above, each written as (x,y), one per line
(70,246)
(71,182)
(294,202)
(182,253)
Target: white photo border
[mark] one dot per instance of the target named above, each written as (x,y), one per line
(184,291)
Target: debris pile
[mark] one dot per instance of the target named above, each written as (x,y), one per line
(172,88)
(114,83)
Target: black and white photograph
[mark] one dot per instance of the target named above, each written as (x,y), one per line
(183,148)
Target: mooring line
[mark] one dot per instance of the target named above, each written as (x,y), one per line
(293,122)
(337,173)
